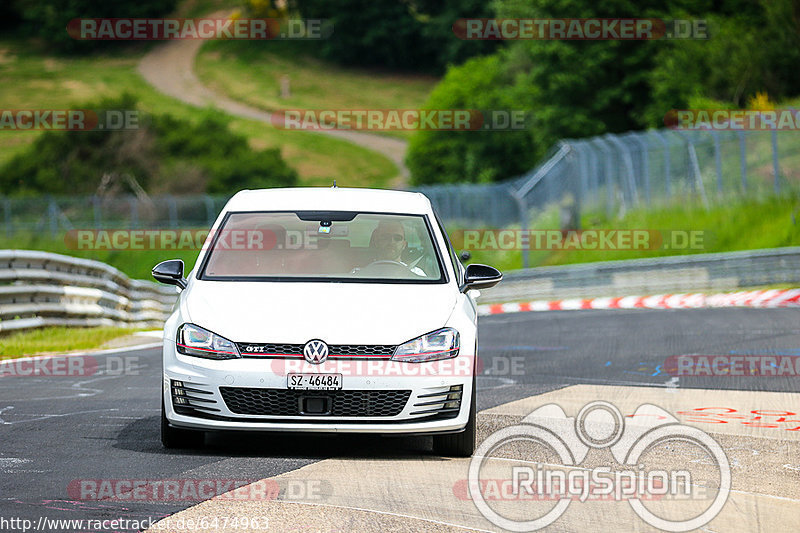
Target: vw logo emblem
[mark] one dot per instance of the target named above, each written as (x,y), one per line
(315,351)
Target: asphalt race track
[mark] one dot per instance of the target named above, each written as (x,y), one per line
(56,431)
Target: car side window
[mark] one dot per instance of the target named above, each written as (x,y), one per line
(458,268)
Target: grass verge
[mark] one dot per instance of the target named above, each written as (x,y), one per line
(57,339)
(251,72)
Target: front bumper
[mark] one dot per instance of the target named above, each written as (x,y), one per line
(430,387)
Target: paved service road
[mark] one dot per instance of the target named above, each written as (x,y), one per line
(56,431)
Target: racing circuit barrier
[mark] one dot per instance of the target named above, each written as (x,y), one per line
(685,273)
(45,289)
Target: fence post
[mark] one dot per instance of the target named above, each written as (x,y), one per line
(642,140)
(694,167)
(608,167)
(523,225)
(172,209)
(96,212)
(775,166)
(743,159)
(209,210)
(717,159)
(667,163)
(52,217)
(627,158)
(134,203)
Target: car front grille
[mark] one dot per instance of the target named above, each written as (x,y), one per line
(288,402)
(344,351)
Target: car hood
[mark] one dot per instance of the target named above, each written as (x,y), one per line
(337,313)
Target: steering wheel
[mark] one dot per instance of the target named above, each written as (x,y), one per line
(387,262)
(380,266)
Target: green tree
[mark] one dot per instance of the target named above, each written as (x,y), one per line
(48,19)
(473,156)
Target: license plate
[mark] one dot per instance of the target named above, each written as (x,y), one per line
(315,381)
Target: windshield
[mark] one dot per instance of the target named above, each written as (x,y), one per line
(341,246)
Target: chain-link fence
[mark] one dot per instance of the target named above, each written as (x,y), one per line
(614,173)
(611,174)
(607,174)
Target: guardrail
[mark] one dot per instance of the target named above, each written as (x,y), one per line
(45,289)
(686,273)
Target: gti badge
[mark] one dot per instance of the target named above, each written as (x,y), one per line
(315,351)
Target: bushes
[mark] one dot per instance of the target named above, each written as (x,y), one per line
(472,156)
(164,154)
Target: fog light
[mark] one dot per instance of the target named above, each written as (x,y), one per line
(451,405)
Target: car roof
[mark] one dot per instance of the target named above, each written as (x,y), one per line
(329,199)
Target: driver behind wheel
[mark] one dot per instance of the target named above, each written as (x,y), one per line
(388,242)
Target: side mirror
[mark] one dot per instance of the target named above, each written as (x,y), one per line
(465,255)
(170,272)
(479,276)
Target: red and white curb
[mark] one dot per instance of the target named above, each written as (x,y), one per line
(761,299)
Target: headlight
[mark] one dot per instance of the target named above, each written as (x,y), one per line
(440,344)
(194,340)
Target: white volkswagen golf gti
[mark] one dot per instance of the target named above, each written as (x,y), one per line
(324,310)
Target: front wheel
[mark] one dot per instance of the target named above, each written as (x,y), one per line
(459,444)
(176,438)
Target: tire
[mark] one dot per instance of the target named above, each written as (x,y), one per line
(176,438)
(459,444)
